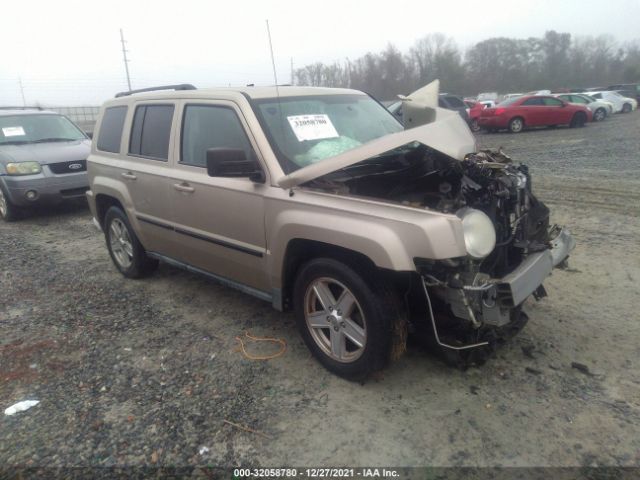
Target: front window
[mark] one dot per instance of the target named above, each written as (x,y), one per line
(310,129)
(37,128)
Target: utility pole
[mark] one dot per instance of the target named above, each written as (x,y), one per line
(291,70)
(24,102)
(126,61)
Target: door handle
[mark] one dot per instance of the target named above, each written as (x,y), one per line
(128,175)
(184,187)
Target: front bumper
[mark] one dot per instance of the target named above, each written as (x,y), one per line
(485,300)
(48,188)
(514,288)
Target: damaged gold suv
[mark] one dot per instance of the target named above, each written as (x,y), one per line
(318,200)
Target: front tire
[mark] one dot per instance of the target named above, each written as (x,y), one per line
(599,115)
(516,125)
(126,251)
(578,120)
(474,126)
(349,324)
(8,211)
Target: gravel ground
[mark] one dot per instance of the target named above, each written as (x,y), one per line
(148,373)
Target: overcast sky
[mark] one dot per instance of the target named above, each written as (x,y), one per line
(68,52)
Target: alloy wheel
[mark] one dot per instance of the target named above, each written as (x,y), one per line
(120,243)
(516,125)
(335,319)
(3,205)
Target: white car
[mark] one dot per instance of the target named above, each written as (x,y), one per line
(600,108)
(620,104)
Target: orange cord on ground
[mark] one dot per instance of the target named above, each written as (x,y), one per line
(262,339)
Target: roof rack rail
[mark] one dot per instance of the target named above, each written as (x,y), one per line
(182,86)
(24,107)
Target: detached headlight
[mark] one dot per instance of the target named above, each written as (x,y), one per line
(479,233)
(23,168)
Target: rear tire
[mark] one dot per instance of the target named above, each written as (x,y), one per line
(626,108)
(599,115)
(126,251)
(579,120)
(351,325)
(516,125)
(474,126)
(8,211)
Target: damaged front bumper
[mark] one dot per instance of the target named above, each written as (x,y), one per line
(514,288)
(491,301)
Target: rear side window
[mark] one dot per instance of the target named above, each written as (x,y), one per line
(533,101)
(151,130)
(205,127)
(111,129)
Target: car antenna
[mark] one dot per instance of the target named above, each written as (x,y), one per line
(275,78)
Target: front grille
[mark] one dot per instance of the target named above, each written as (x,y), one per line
(68,167)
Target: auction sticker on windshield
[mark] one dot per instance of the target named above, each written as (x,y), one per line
(13,131)
(312,127)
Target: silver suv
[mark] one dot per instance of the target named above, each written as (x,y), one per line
(318,200)
(43,159)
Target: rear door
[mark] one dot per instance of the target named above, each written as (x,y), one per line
(533,110)
(220,221)
(146,172)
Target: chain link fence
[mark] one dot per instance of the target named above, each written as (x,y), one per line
(85,117)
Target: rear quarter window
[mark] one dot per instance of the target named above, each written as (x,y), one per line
(110,133)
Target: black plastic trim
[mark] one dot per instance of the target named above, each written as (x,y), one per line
(238,248)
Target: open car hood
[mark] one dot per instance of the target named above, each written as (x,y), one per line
(448,133)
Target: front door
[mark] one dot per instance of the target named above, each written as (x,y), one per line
(556,112)
(220,221)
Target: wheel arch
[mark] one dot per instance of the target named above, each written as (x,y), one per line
(103,203)
(301,250)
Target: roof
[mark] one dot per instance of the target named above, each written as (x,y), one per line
(284,91)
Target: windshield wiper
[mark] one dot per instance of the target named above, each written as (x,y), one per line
(15,142)
(54,139)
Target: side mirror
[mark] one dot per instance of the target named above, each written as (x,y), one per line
(89,134)
(233,162)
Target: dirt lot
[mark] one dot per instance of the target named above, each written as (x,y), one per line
(146,372)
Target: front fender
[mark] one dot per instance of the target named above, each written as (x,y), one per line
(390,237)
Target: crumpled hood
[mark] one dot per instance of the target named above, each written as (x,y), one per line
(448,134)
(46,153)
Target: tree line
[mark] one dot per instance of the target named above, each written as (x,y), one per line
(554,61)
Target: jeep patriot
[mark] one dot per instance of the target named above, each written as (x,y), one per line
(318,200)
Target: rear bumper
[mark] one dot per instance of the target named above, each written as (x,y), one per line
(492,122)
(38,189)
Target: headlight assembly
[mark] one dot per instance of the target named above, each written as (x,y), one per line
(23,168)
(479,233)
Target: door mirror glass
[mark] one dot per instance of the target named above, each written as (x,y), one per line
(233,162)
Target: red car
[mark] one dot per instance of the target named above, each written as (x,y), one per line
(515,114)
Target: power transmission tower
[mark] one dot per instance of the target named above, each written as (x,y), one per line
(126,61)
(291,70)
